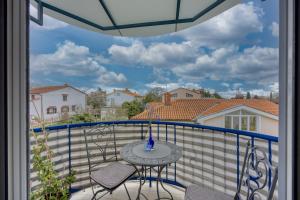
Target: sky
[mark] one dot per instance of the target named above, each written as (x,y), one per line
(236,50)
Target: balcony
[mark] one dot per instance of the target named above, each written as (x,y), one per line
(212,156)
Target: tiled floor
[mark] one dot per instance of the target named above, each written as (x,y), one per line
(120,193)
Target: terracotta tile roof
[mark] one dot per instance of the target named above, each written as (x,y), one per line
(45,89)
(126,91)
(134,94)
(189,109)
(179,110)
(258,104)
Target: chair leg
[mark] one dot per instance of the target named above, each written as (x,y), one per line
(127,191)
(95,194)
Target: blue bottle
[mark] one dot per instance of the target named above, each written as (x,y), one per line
(150,143)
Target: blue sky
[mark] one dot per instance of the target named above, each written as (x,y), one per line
(237,49)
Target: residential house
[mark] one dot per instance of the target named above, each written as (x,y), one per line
(96,100)
(118,97)
(52,103)
(242,114)
(184,93)
(115,100)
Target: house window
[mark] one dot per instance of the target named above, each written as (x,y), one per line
(51,110)
(174,95)
(242,120)
(65,97)
(188,95)
(118,94)
(228,122)
(64,109)
(73,108)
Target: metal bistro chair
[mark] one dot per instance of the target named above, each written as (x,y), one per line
(254,177)
(99,139)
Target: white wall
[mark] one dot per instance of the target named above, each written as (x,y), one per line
(266,124)
(55,98)
(217,122)
(117,98)
(181,94)
(269,125)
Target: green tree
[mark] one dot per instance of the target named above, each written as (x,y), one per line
(248,95)
(97,99)
(133,108)
(206,94)
(153,95)
(217,95)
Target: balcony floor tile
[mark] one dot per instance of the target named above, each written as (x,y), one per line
(120,193)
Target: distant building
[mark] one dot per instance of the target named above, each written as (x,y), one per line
(242,114)
(118,97)
(115,100)
(96,100)
(52,103)
(184,93)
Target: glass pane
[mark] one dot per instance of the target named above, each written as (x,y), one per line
(244,123)
(227,121)
(253,122)
(236,122)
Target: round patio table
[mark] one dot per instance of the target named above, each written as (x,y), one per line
(164,154)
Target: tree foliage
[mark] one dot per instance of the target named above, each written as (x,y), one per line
(52,187)
(97,99)
(207,94)
(248,96)
(133,108)
(153,95)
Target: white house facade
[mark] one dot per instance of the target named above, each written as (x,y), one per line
(53,103)
(118,97)
(184,93)
(242,118)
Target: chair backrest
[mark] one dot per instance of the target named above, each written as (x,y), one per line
(255,174)
(100,141)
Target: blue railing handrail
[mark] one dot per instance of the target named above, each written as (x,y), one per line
(184,124)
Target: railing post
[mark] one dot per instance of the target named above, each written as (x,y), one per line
(69,145)
(167,141)
(270,160)
(157,131)
(142,131)
(238,158)
(175,162)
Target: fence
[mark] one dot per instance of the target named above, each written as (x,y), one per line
(212,156)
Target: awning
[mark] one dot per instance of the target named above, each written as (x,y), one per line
(132,17)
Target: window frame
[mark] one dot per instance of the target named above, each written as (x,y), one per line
(65,97)
(17,94)
(53,108)
(240,116)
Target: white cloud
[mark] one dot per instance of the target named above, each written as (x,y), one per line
(274,27)
(49,23)
(252,65)
(227,85)
(274,87)
(173,85)
(157,54)
(232,26)
(232,92)
(73,60)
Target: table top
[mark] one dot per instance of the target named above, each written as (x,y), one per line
(164,153)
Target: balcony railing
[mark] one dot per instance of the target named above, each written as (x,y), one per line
(212,156)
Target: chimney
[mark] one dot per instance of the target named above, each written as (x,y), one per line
(167,99)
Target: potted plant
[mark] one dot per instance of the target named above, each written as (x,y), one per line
(52,187)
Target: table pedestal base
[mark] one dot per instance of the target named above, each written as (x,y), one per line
(142,179)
